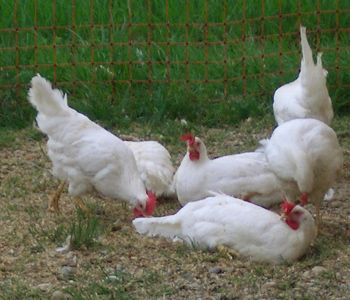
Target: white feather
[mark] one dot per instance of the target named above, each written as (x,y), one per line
(154,165)
(305,155)
(240,175)
(251,230)
(307,96)
(82,152)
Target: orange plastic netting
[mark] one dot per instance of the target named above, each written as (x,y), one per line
(148,43)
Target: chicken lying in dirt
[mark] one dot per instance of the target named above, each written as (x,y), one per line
(84,154)
(248,229)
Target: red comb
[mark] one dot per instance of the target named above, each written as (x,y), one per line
(187,137)
(150,206)
(287,207)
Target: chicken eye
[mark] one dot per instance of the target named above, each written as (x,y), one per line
(297,213)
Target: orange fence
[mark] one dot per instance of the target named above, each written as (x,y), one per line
(37,45)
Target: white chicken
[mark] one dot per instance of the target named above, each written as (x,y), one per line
(249,229)
(82,152)
(307,96)
(154,165)
(305,156)
(244,175)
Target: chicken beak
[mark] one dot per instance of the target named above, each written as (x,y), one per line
(190,148)
(283,217)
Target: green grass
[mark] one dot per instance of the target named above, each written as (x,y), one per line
(203,103)
(84,230)
(7,138)
(16,289)
(121,285)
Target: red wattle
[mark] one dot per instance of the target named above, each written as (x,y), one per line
(292,224)
(194,155)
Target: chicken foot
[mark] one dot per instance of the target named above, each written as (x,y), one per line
(53,203)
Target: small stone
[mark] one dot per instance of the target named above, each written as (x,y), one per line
(67,272)
(216,270)
(268,285)
(58,295)
(317,270)
(329,195)
(193,286)
(104,252)
(314,289)
(306,275)
(187,276)
(71,260)
(44,287)
(118,268)
(67,247)
(139,273)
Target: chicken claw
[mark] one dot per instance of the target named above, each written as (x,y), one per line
(53,203)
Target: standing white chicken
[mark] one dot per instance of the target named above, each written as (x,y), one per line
(305,155)
(154,165)
(249,229)
(245,175)
(82,152)
(307,96)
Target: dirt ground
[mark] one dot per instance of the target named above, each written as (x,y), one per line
(123,265)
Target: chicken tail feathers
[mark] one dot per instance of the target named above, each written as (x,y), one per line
(163,226)
(312,75)
(47,101)
(319,64)
(306,50)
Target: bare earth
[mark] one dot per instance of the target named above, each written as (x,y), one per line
(123,265)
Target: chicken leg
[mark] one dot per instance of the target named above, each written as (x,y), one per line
(54,201)
(53,204)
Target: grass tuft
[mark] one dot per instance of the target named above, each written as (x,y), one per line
(84,230)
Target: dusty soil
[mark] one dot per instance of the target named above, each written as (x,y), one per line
(123,265)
